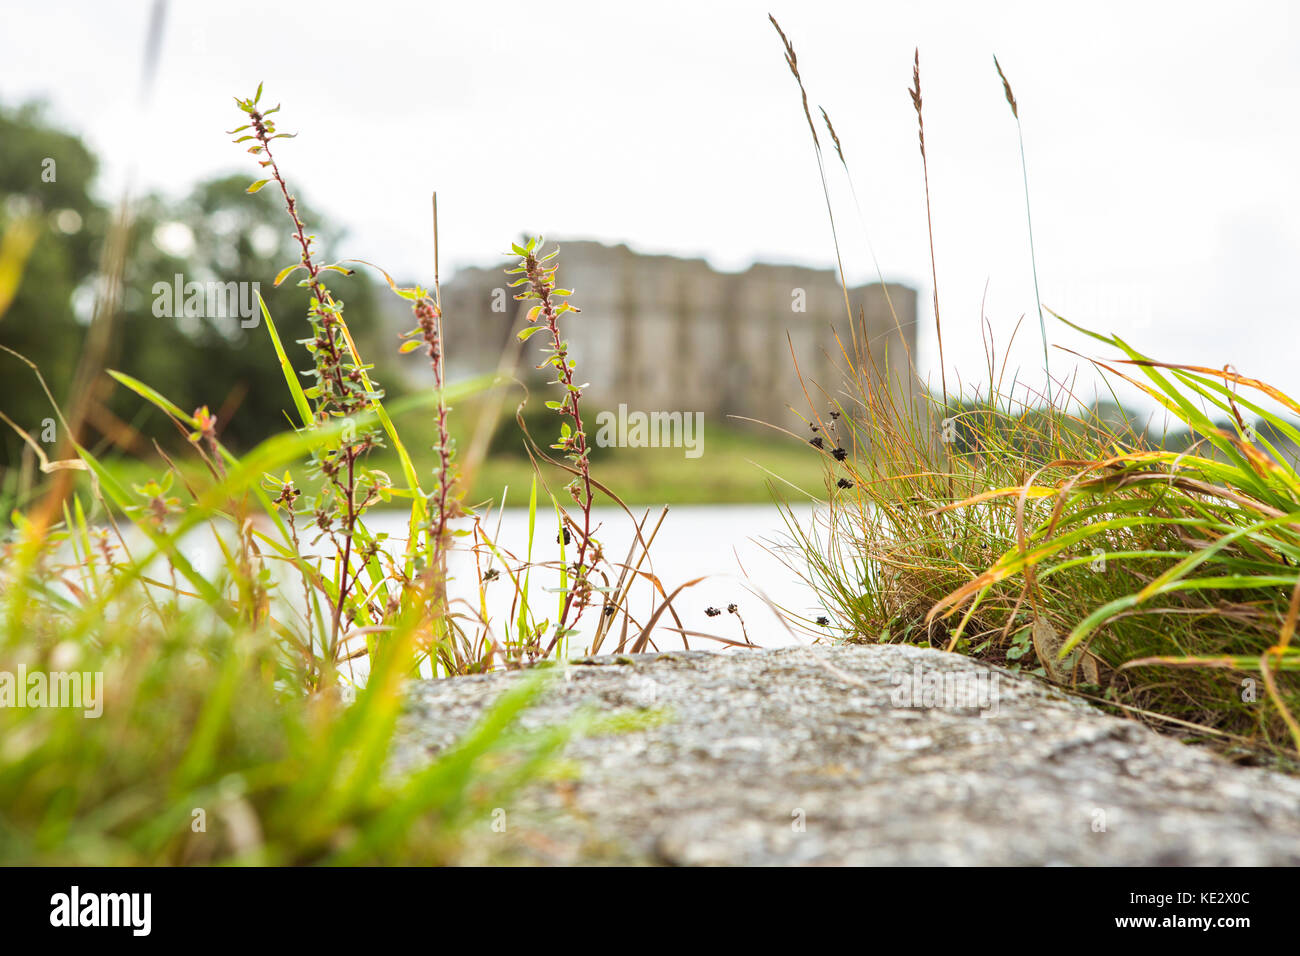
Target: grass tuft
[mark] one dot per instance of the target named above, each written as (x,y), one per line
(1057,537)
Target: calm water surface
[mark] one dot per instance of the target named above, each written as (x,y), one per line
(736,549)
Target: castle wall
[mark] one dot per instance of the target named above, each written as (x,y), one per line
(660,333)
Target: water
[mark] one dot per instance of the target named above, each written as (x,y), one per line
(735,549)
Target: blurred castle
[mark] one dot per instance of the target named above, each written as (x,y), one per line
(664,333)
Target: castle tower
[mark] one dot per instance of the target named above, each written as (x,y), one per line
(661,333)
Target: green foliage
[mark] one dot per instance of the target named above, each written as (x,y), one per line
(40,321)
(223,735)
(1156,573)
(206,753)
(214,361)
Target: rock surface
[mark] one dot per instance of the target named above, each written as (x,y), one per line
(884,755)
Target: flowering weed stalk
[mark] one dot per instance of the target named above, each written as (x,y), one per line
(341,389)
(537,274)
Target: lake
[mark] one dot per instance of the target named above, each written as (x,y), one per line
(736,549)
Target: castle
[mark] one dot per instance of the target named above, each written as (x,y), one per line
(664,333)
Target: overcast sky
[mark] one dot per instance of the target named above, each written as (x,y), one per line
(1161,140)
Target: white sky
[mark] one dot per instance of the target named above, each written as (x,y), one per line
(1161,140)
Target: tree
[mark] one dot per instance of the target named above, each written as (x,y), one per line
(216,234)
(227,363)
(45,175)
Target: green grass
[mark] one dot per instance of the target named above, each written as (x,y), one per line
(226,723)
(206,754)
(222,735)
(1160,582)
(736,467)
(1031,533)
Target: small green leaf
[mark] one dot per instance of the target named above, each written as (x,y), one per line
(286,271)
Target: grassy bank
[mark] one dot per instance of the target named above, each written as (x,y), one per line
(156,711)
(736,466)
(1163,582)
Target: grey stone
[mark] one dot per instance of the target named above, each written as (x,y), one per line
(810,756)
